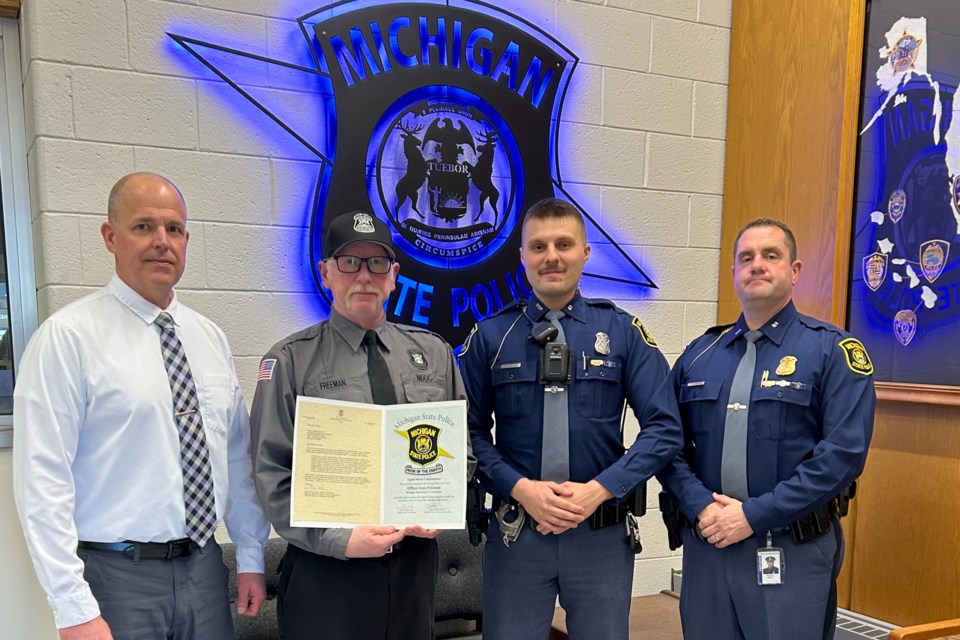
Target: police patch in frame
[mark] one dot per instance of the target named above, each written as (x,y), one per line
(424,444)
(856,356)
(644,333)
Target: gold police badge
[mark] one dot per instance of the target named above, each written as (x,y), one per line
(875,270)
(856,356)
(905,326)
(643,332)
(788,364)
(933,258)
(602,345)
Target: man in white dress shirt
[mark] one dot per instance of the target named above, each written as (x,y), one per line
(132,443)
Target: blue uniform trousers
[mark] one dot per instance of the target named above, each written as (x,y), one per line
(720,597)
(591,571)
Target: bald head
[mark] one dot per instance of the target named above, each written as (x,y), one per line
(131,182)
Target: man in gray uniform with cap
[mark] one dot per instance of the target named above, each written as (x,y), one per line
(369,581)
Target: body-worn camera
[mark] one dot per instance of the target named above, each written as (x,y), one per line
(555,359)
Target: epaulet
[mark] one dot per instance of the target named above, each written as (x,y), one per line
(409,328)
(854,353)
(634,320)
(516,305)
(601,302)
(720,328)
(814,323)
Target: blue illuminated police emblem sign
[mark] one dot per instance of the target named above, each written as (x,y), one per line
(441,119)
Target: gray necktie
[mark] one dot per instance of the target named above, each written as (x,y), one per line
(555,456)
(733,464)
(199,503)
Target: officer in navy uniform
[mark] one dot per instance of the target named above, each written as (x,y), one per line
(569,480)
(768,454)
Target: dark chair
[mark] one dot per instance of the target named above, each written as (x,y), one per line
(458,594)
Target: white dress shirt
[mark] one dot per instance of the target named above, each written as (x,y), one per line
(96,451)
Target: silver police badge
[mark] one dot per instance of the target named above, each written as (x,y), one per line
(875,270)
(363,223)
(933,258)
(602,345)
(905,326)
(417,358)
(897,205)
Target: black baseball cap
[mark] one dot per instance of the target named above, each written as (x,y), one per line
(357,226)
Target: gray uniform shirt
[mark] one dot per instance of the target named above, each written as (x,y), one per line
(328,360)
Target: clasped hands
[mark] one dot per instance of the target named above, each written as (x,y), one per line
(558,507)
(722,522)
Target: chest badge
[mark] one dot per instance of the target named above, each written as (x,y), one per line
(417,358)
(602,345)
(788,365)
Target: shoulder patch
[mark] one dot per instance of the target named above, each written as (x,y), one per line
(643,332)
(265,372)
(856,355)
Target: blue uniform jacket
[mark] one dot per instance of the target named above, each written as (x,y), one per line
(614,360)
(809,425)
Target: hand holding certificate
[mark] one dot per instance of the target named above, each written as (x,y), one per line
(397,465)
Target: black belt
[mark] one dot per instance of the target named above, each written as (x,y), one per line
(146,550)
(608,513)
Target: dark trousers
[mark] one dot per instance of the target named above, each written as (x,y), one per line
(720,597)
(180,599)
(591,571)
(388,598)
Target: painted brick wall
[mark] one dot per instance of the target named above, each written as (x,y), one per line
(106,93)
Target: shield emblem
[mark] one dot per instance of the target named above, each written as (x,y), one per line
(424,444)
(905,326)
(897,205)
(875,270)
(933,258)
(904,53)
(955,192)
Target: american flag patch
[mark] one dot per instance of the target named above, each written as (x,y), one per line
(266,369)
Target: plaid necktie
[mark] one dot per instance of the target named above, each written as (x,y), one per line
(199,504)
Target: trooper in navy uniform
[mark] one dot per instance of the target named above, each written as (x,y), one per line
(777,413)
(558,468)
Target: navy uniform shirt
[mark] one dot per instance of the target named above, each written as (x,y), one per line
(810,419)
(614,359)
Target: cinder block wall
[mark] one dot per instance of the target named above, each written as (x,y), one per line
(106,93)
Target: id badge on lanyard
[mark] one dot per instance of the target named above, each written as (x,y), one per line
(770,564)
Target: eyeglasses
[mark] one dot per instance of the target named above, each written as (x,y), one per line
(376,264)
